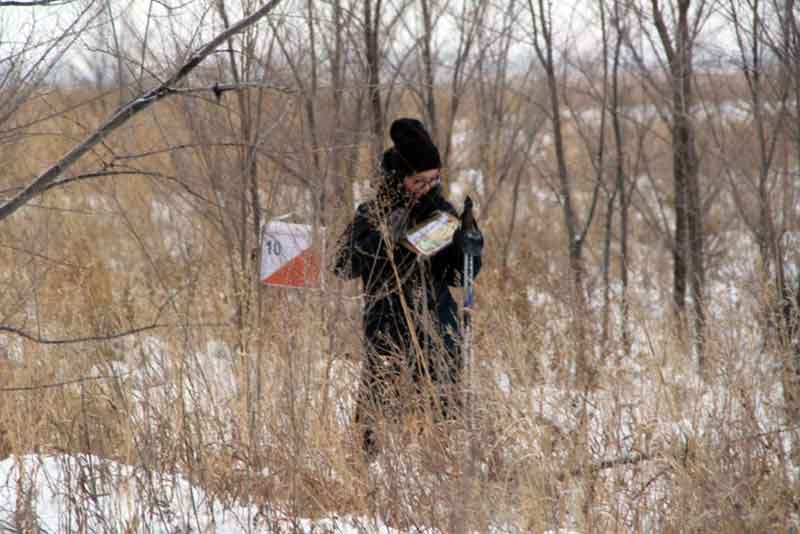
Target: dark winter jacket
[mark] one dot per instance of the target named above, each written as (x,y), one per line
(424,282)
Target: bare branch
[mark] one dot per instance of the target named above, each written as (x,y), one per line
(31,3)
(125,112)
(61,384)
(108,337)
(219,88)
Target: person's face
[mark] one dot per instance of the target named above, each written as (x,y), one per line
(422,182)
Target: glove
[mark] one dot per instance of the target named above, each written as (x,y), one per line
(469,237)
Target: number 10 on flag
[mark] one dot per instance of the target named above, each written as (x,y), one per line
(290,257)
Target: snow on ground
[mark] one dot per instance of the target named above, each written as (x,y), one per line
(173,218)
(69,493)
(11,348)
(84,493)
(732,110)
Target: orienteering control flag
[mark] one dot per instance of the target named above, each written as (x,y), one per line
(289,256)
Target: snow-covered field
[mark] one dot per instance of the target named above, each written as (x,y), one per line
(82,493)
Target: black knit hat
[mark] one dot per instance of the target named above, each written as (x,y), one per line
(413,151)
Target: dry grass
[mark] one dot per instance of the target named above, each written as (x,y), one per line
(249,391)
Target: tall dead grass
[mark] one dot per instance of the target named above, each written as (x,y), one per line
(257,407)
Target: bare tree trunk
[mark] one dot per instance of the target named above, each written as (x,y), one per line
(499,153)
(372,18)
(753,36)
(789,343)
(428,69)
(613,111)
(688,247)
(624,204)
(611,92)
(249,306)
(608,231)
(697,255)
(311,117)
(342,191)
(793,323)
(309,87)
(512,223)
(790,320)
(680,262)
(621,182)
(472,17)
(240,282)
(118,54)
(544,47)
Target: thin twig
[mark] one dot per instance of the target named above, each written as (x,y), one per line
(125,112)
(31,3)
(219,88)
(60,384)
(108,337)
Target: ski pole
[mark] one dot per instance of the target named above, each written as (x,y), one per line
(472,247)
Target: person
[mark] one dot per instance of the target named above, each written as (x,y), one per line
(410,319)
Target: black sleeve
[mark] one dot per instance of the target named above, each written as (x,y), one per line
(359,246)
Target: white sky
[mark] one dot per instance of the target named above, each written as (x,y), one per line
(194,22)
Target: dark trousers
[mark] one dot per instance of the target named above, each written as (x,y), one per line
(394,382)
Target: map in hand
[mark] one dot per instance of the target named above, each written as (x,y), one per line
(433,235)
